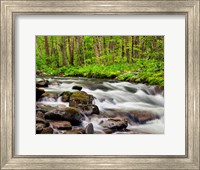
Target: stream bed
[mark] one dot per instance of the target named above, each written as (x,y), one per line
(112,107)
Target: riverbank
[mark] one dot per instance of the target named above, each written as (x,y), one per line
(150,72)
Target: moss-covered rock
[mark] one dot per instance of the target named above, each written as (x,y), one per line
(66,96)
(73,115)
(80,97)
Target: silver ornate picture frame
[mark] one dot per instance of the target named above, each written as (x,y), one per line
(10,9)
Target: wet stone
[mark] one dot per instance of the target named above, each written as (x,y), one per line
(77,88)
(88,109)
(39,127)
(89,129)
(65,96)
(75,131)
(40,114)
(61,125)
(49,96)
(142,116)
(80,97)
(47,130)
(39,120)
(114,123)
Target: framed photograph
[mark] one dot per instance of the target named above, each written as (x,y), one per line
(100,84)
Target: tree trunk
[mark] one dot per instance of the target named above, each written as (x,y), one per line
(123,48)
(127,49)
(46,45)
(71,49)
(96,49)
(63,50)
(39,48)
(133,51)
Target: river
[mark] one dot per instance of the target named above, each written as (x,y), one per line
(115,98)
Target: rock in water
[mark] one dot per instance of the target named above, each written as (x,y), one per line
(39,93)
(88,109)
(69,114)
(65,96)
(75,131)
(39,120)
(114,123)
(80,97)
(49,96)
(44,83)
(77,88)
(39,127)
(142,116)
(89,129)
(61,125)
(47,130)
(72,115)
(40,114)
(44,108)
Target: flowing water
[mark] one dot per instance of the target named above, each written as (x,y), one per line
(116,98)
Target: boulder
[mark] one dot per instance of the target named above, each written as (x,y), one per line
(73,115)
(156,90)
(77,88)
(43,83)
(40,114)
(142,116)
(61,125)
(159,89)
(107,131)
(80,97)
(54,114)
(38,72)
(89,129)
(69,114)
(39,127)
(75,131)
(49,96)
(65,96)
(47,130)
(88,109)
(39,120)
(39,93)
(44,108)
(114,123)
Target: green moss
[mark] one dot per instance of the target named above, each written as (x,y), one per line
(72,110)
(68,93)
(80,97)
(145,71)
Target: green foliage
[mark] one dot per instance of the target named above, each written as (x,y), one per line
(138,59)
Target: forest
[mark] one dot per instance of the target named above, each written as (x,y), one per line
(137,59)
